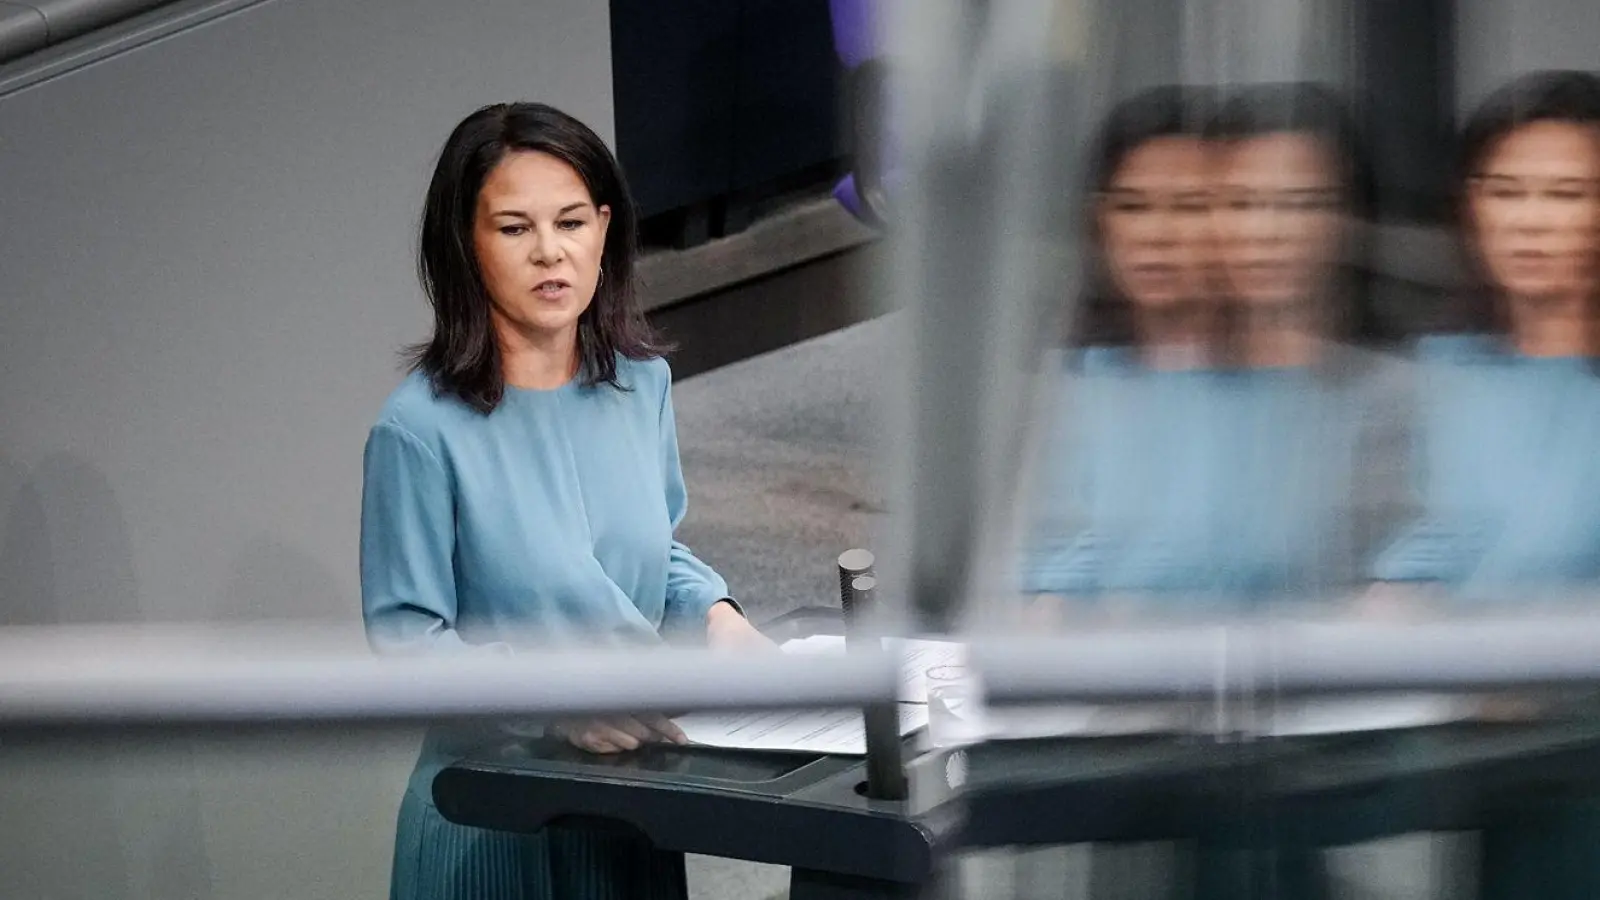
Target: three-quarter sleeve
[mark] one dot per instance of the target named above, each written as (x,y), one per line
(1436,546)
(408,589)
(1429,550)
(692,586)
(1440,545)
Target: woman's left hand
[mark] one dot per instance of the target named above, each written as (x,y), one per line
(726,627)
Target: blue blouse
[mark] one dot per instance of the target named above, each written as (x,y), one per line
(1508,470)
(548,521)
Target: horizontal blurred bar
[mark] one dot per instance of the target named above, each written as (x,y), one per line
(1289,659)
(74,678)
(67,680)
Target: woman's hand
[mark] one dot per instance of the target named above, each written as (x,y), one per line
(726,627)
(619,734)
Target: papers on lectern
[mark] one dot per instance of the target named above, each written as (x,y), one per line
(839,732)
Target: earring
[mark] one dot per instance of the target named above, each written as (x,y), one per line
(602,279)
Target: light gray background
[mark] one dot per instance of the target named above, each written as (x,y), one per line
(207,272)
(206,266)
(1497,39)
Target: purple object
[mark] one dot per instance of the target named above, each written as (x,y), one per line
(855,30)
(857,41)
(848,195)
(845,193)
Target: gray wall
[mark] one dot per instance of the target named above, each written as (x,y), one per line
(205,272)
(1497,39)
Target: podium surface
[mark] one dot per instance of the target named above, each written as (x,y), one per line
(811,812)
(806,811)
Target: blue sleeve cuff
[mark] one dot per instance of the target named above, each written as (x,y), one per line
(1427,552)
(1070,568)
(688,610)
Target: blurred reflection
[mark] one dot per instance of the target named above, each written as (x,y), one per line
(1289,176)
(1506,460)
(1507,465)
(1215,408)
(1150,309)
(1152,192)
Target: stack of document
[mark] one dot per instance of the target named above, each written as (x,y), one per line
(832,731)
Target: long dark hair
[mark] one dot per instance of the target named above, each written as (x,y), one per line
(1551,95)
(1104,316)
(1317,111)
(463,357)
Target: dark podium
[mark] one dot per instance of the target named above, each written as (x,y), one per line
(812,812)
(1353,787)
(1260,812)
(805,811)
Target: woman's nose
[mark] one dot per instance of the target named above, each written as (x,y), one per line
(545,248)
(1531,214)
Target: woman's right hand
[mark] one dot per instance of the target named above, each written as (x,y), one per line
(620,734)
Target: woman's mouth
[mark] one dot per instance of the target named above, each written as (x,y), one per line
(552,289)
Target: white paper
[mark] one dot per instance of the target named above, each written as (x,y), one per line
(1085,720)
(839,732)
(1339,715)
(817,643)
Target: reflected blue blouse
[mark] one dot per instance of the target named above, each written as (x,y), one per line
(1215,486)
(1508,469)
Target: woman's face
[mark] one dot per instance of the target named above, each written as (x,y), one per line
(1153,223)
(1278,217)
(539,238)
(1534,210)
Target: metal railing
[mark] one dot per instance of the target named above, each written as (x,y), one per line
(76,678)
(71,678)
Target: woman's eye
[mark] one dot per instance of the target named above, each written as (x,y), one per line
(571,224)
(513,230)
(1311,204)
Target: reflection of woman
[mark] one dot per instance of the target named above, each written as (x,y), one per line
(1510,473)
(1311,411)
(1215,433)
(1510,476)
(522,486)
(1302,407)
(1215,430)
(1150,308)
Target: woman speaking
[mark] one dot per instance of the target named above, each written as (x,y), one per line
(522,485)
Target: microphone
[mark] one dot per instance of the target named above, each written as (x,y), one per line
(886,773)
(853,565)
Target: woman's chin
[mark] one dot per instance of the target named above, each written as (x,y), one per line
(548,322)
